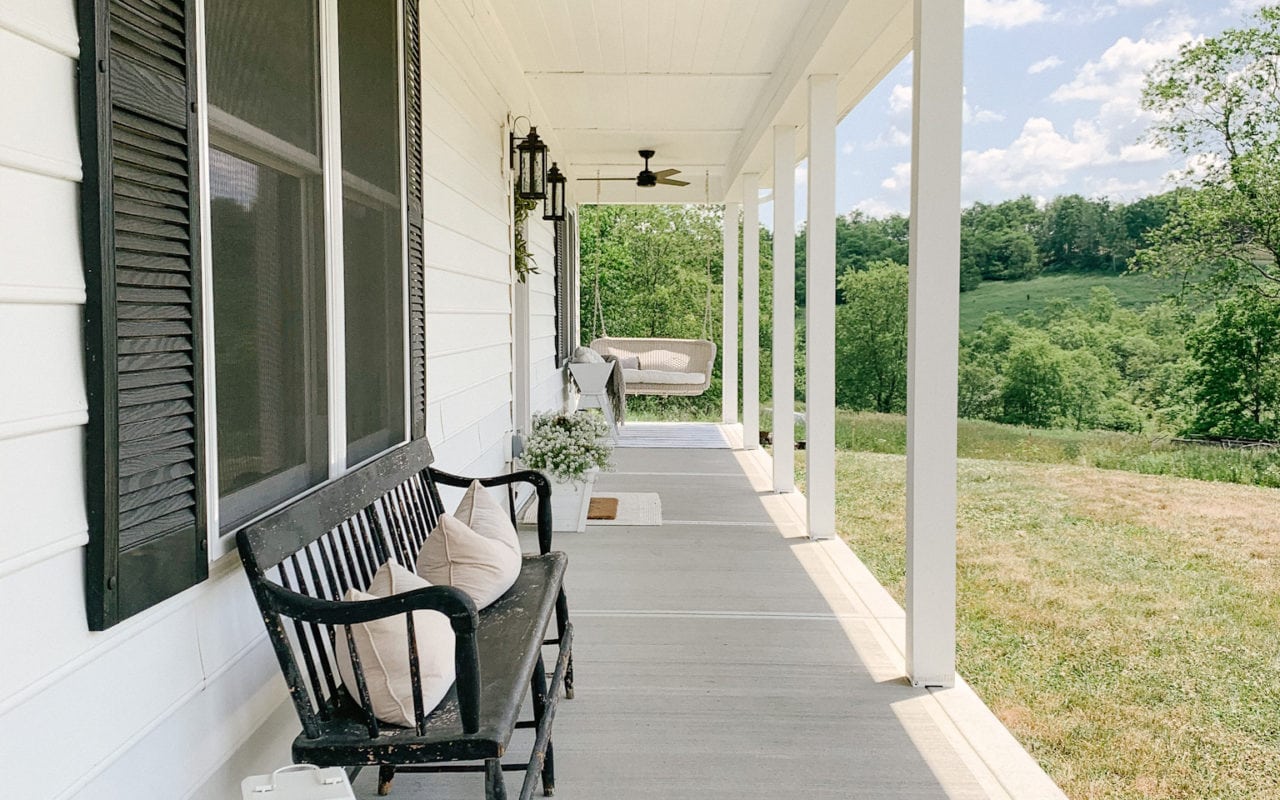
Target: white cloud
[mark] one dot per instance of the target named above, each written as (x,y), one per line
(1039,160)
(1116,78)
(900,179)
(894,137)
(1138,3)
(847,148)
(899,99)
(1044,65)
(1004,13)
(802,172)
(876,207)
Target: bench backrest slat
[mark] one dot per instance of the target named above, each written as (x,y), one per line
(328,542)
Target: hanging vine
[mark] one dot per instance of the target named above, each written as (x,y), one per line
(523,257)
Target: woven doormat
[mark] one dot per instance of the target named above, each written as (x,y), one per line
(634,508)
(602,508)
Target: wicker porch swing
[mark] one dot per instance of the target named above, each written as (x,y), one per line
(659,366)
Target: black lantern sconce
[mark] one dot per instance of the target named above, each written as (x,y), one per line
(529,159)
(553,207)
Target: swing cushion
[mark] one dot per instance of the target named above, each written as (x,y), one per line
(633,376)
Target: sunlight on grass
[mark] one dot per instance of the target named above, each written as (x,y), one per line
(1122,626)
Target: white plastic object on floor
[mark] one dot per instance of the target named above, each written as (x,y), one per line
(299,782)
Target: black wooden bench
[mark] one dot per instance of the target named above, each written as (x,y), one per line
(303,558)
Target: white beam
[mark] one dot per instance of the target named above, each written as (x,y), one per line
(933,347)
(729,334)
(820,311)
(784,308)
(751,310)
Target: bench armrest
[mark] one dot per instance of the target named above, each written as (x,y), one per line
(539,482)
(448,600)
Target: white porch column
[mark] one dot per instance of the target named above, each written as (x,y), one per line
(729,335)
(784,308)
(933,348)
(751,310)
(820,311)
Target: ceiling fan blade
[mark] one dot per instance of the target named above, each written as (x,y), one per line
(666,173)
(632,179)
(672,182)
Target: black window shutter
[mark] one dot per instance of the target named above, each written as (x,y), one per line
(413,193)
(144,444)
(561,229)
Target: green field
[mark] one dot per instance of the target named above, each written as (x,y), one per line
(1014,297)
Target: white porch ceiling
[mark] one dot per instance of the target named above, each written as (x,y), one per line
(699,81)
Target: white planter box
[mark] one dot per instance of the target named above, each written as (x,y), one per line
(569,503)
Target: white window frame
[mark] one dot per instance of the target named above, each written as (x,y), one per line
(222,542)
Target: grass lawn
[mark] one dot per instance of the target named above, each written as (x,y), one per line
(1014,297)
(1123,626)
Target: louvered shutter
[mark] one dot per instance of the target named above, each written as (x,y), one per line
(145,448)
(413,193)
(562,291)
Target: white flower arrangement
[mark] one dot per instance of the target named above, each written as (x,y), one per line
(566,446)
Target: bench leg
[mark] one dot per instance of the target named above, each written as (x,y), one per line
(495,786)
(562,619)
(386,773)
(539,687)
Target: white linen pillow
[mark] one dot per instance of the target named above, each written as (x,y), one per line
(383,647)
(455,555)
(482,514)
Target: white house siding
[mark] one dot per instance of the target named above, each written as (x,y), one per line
(154,706)
(470,358)
(546,382)
(184,699)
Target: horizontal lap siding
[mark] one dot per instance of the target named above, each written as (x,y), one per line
(159,700)
(547,381)
(469,349)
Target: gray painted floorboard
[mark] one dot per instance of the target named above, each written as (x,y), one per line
(710,664)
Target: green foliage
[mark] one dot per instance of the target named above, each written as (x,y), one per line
(1218,101)
(522,260)
(1236,382)
(871,338)
(861,241)
(1131,290)
(659,272)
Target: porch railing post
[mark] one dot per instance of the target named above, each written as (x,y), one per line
(820,311)
(933,342)
(751,310)
(784,308)
(729,334)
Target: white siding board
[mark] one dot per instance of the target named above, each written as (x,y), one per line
(40,361)
(463,368)
(186,748)
(453,209)
(466,284)
(457,333)
(51,23)
(451,251)
(39,248)
(37,103)
(43,506)
(108,699)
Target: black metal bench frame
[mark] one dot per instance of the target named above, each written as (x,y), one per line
(301,560)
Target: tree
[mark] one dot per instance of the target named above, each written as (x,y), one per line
(1218,102)
(1236,383)
(871,339)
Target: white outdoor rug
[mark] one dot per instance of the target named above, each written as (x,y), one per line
(634,508)
(693,435)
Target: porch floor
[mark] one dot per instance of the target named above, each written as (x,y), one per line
(724,655)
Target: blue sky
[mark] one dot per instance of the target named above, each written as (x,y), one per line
(1051,104)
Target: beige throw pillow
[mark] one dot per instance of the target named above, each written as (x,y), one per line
(455,555)
(383,646)
(482,514)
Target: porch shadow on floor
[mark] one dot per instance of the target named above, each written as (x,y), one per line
(724,655)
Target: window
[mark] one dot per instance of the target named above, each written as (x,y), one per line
(309,342)
(300,300)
